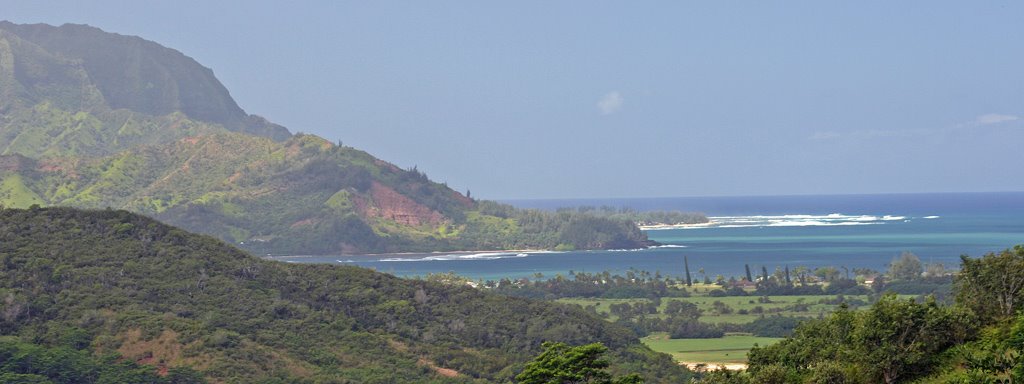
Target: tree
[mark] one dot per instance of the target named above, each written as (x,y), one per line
(906,267)
(749,277)
(779,275)
(686,263)
(898,338)
(992,285)
(827,273)
(801,274)
(683,309)
(560,363)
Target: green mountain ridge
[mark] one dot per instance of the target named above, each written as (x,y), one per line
(129,289)
(92,119)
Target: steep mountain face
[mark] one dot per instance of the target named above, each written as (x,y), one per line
(85,91)
(93,119)
(114,282)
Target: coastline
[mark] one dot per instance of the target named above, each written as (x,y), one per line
(513,251)
(656,227)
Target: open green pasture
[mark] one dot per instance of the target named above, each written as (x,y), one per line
(731,349)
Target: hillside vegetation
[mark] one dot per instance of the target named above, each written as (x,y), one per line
(127,289)
(93,119)
(979,338)
(303,195)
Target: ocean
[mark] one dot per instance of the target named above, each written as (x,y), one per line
(842,231)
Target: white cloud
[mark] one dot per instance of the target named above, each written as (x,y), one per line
(610,103)
(995,118)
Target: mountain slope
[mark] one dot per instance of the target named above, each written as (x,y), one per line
(143,76)
(49,106)
(93,119)
(305,195)
(114,282)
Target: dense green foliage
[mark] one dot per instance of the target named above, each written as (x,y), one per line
(30,363)
(993,286)
(893,339)
(562,364)
(632,284)
(114,282)
(93,120)
(978,339)
(641,217)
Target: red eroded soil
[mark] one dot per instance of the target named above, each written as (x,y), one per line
(386,203)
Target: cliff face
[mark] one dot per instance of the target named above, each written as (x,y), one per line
(78,68)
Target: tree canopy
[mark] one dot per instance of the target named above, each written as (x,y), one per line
(114,282)
(562,364)
(992,285)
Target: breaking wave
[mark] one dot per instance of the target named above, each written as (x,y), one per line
(799,220)
(461,257)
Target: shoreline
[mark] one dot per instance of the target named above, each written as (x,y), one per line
(416,253)
(656,227)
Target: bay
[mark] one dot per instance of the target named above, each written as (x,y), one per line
(843,231)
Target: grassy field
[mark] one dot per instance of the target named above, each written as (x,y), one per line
(731,349)
(15,194)
(737,303)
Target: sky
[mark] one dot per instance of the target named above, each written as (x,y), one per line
(592,99)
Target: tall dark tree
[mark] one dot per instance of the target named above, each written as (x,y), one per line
(749,277)
(686,263)
(764,272)
(788,280)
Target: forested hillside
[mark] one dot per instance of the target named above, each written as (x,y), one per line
(111,286)
(977,339)
(93,119)
(304,195)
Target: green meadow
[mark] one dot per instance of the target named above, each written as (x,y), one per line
(731,349)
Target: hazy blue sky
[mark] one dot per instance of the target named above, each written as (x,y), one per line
(622,99)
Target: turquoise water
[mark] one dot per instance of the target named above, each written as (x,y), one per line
(852,231)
